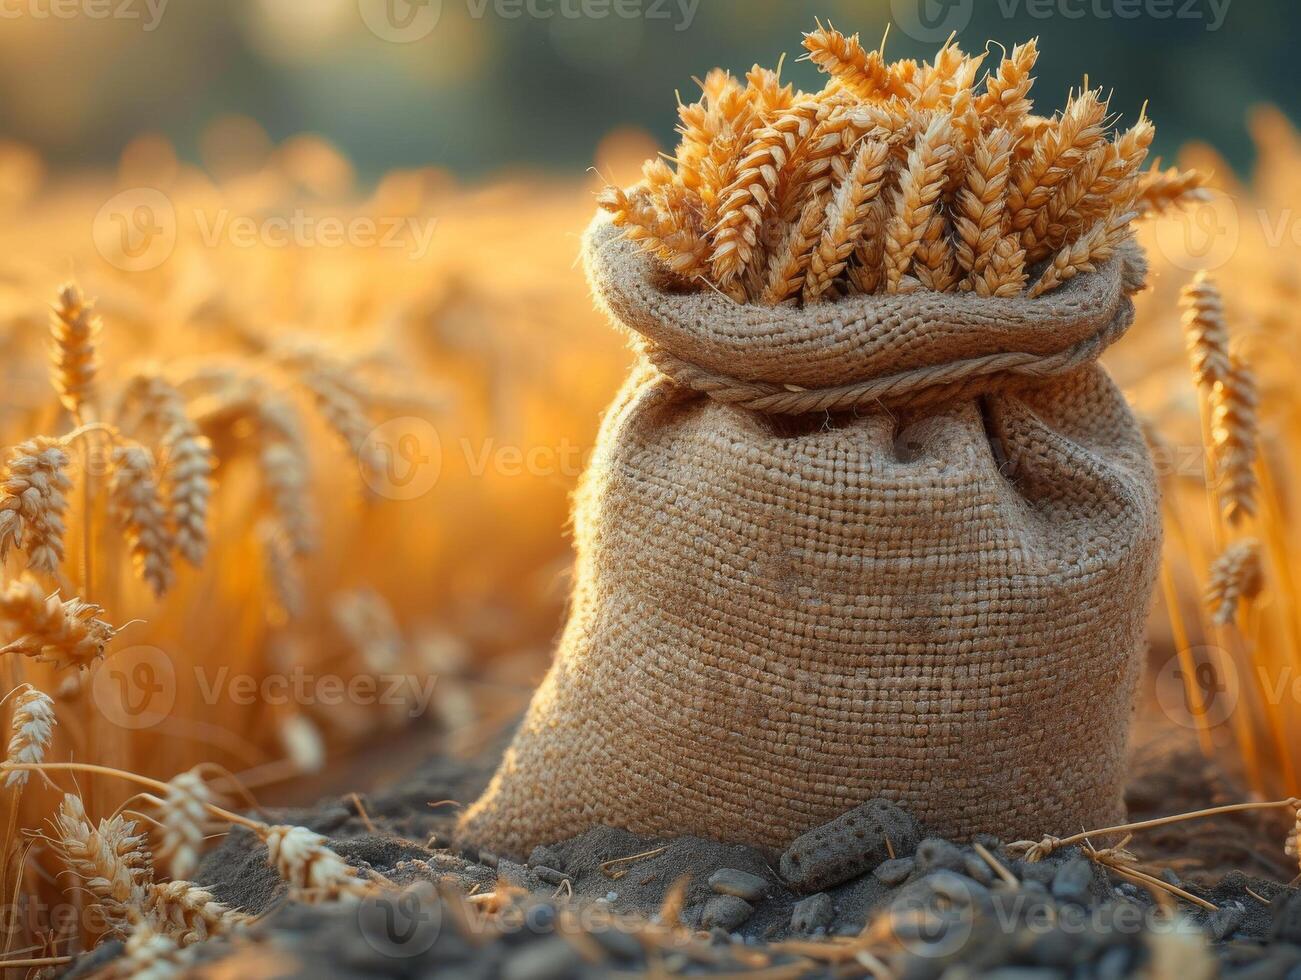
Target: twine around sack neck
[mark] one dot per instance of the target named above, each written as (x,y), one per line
(919,386)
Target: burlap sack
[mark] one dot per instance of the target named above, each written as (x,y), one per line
(887,546)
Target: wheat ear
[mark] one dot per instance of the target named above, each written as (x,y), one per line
(682,252)
(1096,246)
(74,353)
(982,203)
(1054,155)
(184,812)
(935,266)
(790,260)
(1006,97)
(32,501)
(1161,191)
(33,726)
(1206,331)
(109,859)
(313,871)
(49,629)
(1234,439)
(1236,576)
(863,72)
(848,217)
(187,913)
(139,508)
(919,189)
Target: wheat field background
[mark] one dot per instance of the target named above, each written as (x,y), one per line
(387,402)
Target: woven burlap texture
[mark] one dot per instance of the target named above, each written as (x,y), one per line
(931,586)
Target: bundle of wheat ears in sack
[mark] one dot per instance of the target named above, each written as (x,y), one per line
(868,519)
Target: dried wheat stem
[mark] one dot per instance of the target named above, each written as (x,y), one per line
(680,249)
(1236,576)
(33,726)
(186,912)
(935,265)
(74,353)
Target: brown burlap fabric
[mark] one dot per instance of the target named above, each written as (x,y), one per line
(888,546)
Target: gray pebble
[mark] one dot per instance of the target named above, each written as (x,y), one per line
(1170,878)
(514,874)
(619,944)
(1073,881)
(934,854)
(545,857)
(895,872)
(548,959)
(550,875)
(812,913)
(974,866)
(725,912)
(1224,923)
(742,884)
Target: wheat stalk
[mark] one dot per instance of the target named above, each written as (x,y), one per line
(74,353)
(1235,577)
(33,729)
(138,504)
(935,265)
(65,633)
(188,462)
(32,502)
